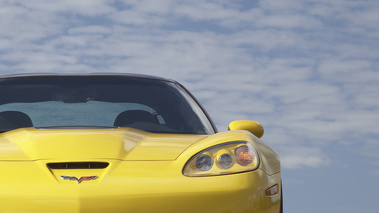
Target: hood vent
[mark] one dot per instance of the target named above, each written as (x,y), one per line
(78,165)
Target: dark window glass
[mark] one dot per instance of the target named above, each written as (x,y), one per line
(100,101)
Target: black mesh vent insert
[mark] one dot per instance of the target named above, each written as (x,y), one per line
(78,165)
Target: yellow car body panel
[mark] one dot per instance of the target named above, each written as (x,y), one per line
(33,144)
(118,143)
(144,173)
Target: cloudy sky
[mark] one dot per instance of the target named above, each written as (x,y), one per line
(306,69)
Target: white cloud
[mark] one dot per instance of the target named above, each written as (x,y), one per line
(370,148)
(205,10)
(284,5)
(137,18)
(289,21)
(347,71)
(375,172)
(264,39)
(297,157)
(83,7)
(93,29)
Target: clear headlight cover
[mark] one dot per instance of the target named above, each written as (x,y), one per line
(228,158)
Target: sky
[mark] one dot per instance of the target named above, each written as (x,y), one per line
(307,70)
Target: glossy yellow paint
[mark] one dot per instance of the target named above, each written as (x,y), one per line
(144,173)
(121,143)
(251,126)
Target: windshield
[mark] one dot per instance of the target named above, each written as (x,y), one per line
(99,101)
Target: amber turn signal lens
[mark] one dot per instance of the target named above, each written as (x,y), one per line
(244,155)
(273,190)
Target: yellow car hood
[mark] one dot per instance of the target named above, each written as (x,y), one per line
(70,144)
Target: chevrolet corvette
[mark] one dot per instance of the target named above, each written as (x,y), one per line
(126,143)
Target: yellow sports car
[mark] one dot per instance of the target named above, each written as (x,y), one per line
(126,143)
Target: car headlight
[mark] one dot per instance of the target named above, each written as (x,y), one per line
(228,158)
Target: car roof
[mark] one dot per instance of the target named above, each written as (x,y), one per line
(124,75)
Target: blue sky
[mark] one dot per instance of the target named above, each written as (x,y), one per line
(306,69)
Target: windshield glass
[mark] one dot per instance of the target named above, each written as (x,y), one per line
(99,101)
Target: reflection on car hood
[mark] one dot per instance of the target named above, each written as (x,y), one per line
(76,144)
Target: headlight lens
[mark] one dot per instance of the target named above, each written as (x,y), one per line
(225,161)
(204,162)
(228,158)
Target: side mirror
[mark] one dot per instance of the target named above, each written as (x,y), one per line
(251,126)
